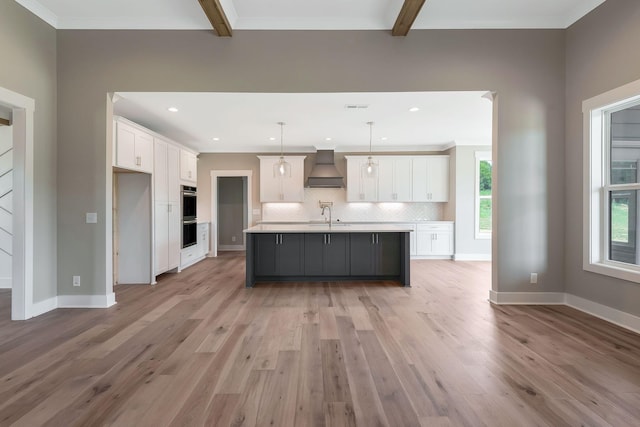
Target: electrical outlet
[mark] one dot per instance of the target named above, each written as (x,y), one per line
(534,278)
(233,238)
(76,280)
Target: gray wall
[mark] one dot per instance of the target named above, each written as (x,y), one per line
(465,203)
(525,67)
(601,55)
(231,210)
(28,67)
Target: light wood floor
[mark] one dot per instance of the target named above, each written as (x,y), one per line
(199,349)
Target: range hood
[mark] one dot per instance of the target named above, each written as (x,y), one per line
(324,173)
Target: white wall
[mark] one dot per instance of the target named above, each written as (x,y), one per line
(6,205)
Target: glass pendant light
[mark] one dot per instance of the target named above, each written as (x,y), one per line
(282,169)
(370,168)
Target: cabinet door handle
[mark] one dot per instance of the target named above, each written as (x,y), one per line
(138,161)
(373,239)
(276,239)
(329,239)
(324,239)
(281,239)
(377,236)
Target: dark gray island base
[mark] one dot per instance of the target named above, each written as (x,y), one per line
(320,255)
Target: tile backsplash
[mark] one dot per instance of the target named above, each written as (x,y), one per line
(344,211)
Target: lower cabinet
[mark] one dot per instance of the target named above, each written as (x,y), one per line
(375,254)
(326,254)
(279,254)
(435,239)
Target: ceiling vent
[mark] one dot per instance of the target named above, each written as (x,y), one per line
(356,107)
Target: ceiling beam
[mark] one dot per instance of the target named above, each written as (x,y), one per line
(407,15)
(215,13)
(5,122)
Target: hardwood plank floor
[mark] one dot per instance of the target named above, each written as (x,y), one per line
(199,349)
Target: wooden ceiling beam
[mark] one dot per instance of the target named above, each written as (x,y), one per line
(5,122)
(215,13)
(407,15)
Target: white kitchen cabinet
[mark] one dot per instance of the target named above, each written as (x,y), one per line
(188,167)
(203,239)
(281,189)
(167,219)
(133,148)
(360,188)
(430,179)
(394,179)
(435,239)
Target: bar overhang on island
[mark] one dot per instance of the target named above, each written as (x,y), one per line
(327,252)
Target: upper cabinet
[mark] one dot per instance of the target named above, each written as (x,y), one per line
(430,179)
(188,167)
(133,148)
(274,188)
(399,179)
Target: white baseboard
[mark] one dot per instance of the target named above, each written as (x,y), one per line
(431,257)
(5,282)
(41,307)
(231,247)
(86,301)
(526,298)
(472,257)
(617,317)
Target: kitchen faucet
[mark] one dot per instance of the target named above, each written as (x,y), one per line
(325,206)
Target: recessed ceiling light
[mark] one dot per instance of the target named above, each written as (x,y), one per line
(414,109)
(384,138)
(216,139)
(272,138)
(173,109)
(328,138)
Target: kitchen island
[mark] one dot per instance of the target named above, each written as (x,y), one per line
(323,252)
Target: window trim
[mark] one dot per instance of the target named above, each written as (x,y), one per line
(596,184)
(480,156)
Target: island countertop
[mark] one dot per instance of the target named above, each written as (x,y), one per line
(324,228)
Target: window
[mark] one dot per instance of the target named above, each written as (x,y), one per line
(484,167)
(612,183)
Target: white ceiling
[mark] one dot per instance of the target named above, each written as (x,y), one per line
(309,14)
(245,122)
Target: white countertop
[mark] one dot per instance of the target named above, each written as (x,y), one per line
(324,228)
(351,222)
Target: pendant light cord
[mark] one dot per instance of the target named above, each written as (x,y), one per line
(370,136)
(281,139)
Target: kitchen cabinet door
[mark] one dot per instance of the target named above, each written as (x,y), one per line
(134,148)
(362,259)
(281,189)
(430,179)
(188,167)
(336,254)
(360,188)
(291,254)
(387,254)
(161,233)
(314,248)
(435,239)
(266,256)
(394,179)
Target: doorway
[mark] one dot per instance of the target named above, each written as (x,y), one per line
(18,111)
(230,209)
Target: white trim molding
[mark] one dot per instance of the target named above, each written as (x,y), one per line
(5,283)
(45,306)
(526,298)
(86,301)
(472,257)
(609,314)
(213,230)
(617,317)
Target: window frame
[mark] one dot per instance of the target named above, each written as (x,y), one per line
(481,156)
(597,187)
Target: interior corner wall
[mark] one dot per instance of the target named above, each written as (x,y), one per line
(526,68)
(465,203)
(601,55)
(29,68)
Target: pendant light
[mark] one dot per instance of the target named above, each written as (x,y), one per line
(282,169)
(370,169)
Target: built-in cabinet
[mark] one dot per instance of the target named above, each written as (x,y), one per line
(133,147)
(375,254)
(399,179)
(166,206)
(188,167)
(435,239)
(326,254)
(280,254)
(203,239)
(276,188)
(430,179)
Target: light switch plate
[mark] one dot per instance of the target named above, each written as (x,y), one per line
(92,218)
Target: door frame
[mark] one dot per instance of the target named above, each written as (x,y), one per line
(23,110)
(215,174)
